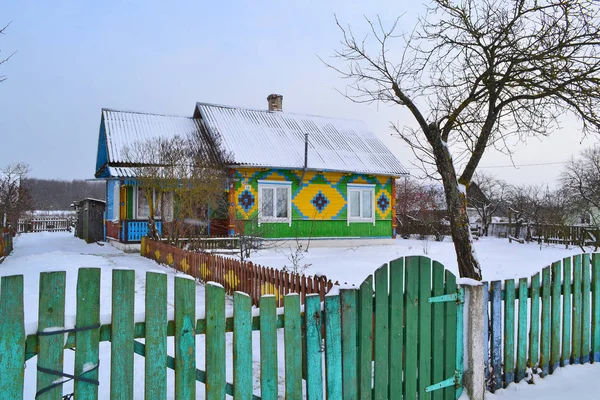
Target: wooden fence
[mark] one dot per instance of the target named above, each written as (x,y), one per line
(401,339)
(6,244)
(255,280)
(45,224)
(545,322)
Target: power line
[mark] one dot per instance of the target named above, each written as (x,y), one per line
(513,165)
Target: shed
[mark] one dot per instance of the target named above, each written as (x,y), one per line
(90,220)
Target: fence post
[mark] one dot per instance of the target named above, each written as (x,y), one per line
(474,377)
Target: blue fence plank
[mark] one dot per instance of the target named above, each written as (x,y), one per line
(496,345)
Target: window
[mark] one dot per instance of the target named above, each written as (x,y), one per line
(143,208)
(116,201)
(361,207)
(274,201)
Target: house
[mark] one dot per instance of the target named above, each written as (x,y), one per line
(290,175)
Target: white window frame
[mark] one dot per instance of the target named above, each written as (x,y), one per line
(274,185)
(116,201)
(356,187)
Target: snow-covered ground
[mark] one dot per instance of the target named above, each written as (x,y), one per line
(499,259)
(39,252)
(572,382)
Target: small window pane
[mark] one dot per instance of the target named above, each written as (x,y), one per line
(355,203)
(367,204)
(267,202)
(282,202)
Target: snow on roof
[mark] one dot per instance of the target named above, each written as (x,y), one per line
(124,128)
(257,138)
(264,138)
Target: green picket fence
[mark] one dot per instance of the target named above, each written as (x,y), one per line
(545,322)
(406,325)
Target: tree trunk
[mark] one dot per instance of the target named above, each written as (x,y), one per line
(456,204)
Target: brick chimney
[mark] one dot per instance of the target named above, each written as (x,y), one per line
(275,102)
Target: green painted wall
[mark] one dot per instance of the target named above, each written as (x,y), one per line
(309,220)
(317,229)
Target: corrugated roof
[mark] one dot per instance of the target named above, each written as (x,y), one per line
(276,139)
(124,128)
(257,138)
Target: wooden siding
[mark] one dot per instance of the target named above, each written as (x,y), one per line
(308,219)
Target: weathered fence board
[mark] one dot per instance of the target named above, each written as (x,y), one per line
(565,331)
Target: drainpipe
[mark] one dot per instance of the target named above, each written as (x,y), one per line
(305,157)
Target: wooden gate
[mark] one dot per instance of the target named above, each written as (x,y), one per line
(410,324)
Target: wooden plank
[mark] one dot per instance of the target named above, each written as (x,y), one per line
(545,322)
(555,324)
(396,328)
(566,313)
(437,330)
(496,343)
(51,317)
(293,347)
(333,347)
(450,336)
(522,332)
(215,341)
(87,342)
(486,334)
(12,337)
(242,346)
(534,329)
(509,331)
(155,361)
(412,328)
(365,338)
(424,374)
(314,351)
(349,301)
(381,333)
(576,331)
(122,334)
(268,348)
(585,309)
(595,356)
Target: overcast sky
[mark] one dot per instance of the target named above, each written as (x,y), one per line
(75,57)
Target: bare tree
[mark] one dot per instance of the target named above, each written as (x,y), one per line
(5,59)
(581,178)
(14,198)
(475,73)
(420,208)
(187,170)
(492,197)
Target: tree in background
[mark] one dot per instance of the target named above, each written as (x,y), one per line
(14,198)
(183,180)
(581,180)
(492,197)
(420,208)
(475,74)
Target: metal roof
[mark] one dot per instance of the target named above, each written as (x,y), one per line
(124,128)
(256,138)
(276,139)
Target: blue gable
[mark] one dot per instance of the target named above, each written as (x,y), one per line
(102,153)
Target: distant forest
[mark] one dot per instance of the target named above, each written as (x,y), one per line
(58,195)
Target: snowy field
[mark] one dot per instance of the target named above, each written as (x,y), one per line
(499,259)
(39,252)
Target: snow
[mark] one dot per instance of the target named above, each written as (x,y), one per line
(572,382)
(499,259)
(468,282)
